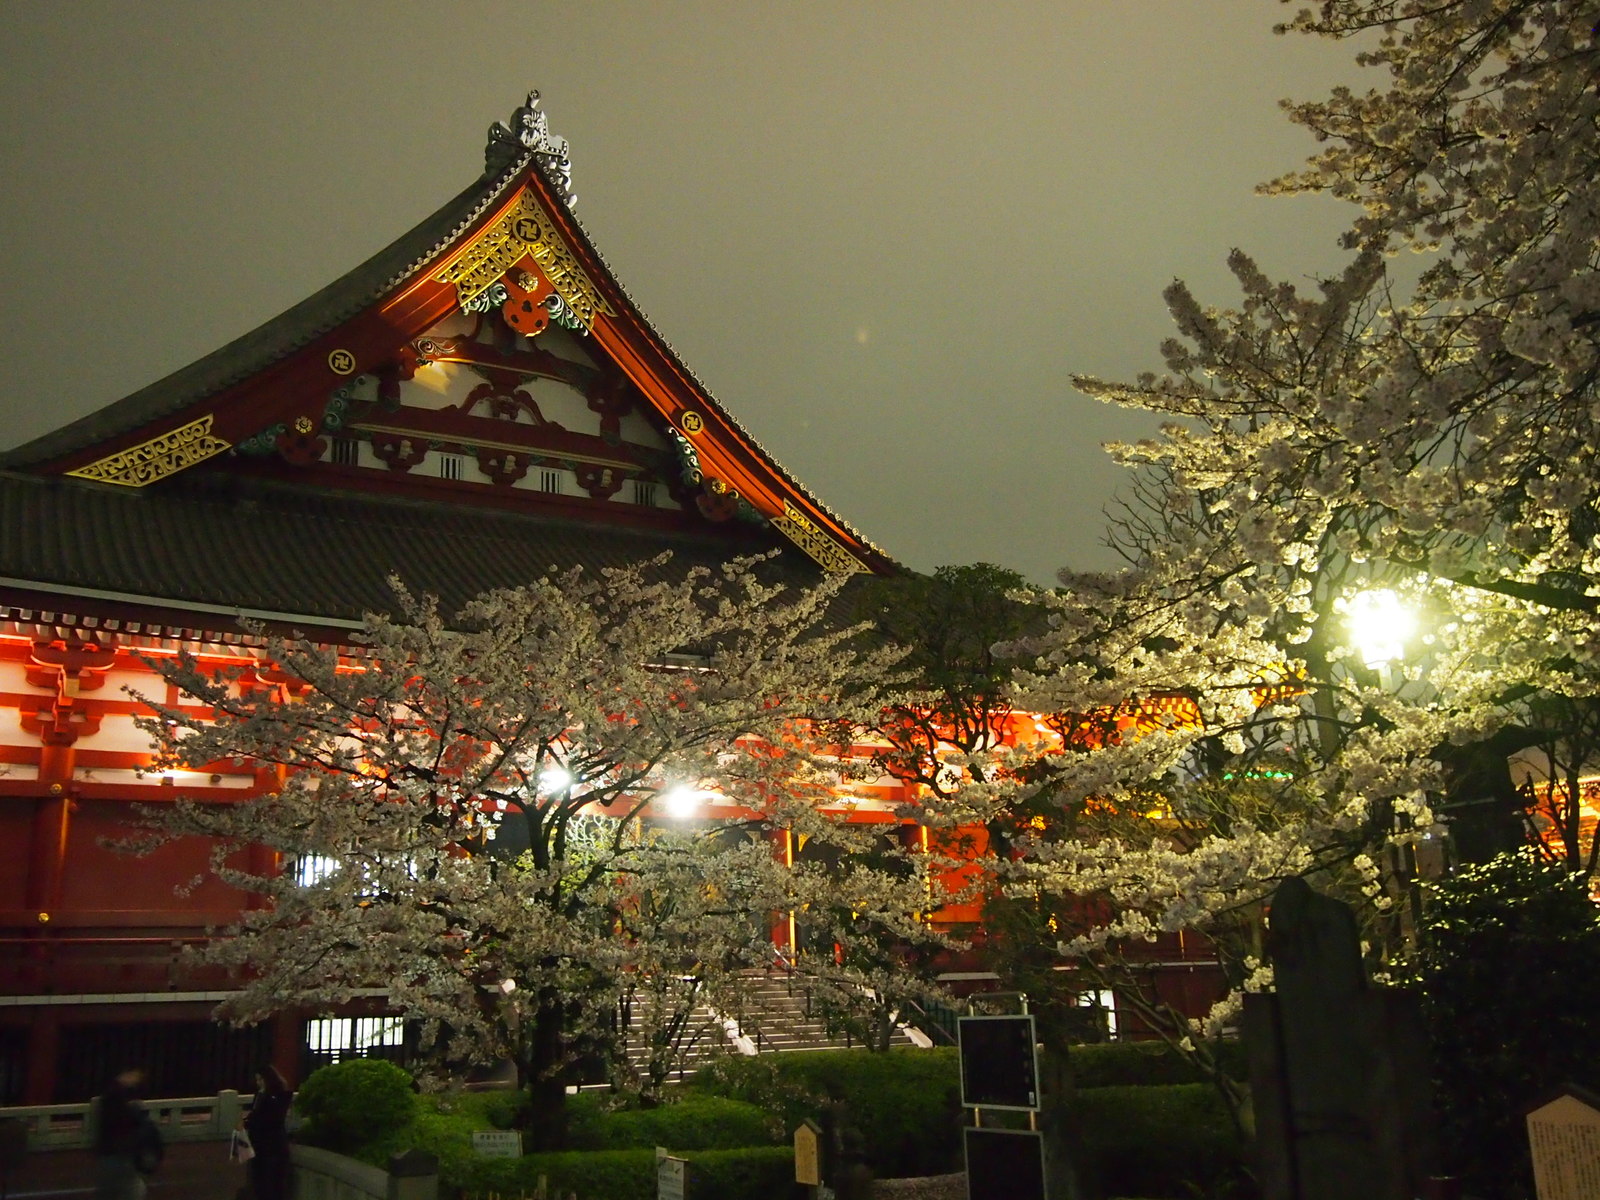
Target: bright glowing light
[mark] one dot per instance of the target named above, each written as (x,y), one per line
(555,779)
(682,801)
(1379,625)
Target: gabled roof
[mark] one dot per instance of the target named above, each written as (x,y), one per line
(509,236)
(205,552)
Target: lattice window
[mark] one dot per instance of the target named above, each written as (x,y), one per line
(312,869)
(644,492)
(339,1038)
(449,466)
(550,481)
(346,452)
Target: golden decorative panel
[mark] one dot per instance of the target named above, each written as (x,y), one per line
(157,458)
(525,230)
(803,532)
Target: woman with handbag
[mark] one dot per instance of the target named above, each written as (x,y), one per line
(265,1123)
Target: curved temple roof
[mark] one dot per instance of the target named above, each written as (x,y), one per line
(517,216)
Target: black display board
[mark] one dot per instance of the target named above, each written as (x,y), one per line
(999,1065)
(1004,1164)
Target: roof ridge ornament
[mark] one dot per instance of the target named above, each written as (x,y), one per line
(529,130)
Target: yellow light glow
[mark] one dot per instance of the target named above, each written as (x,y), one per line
(1379,624)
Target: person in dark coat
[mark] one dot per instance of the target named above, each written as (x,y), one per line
(269,1137)
(118,1118)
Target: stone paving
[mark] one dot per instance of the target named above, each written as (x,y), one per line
(189,1171)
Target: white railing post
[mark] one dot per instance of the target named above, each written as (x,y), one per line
(413,1175)
(226,1117)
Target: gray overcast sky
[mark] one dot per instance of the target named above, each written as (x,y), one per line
(883,234)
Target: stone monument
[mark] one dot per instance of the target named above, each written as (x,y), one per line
(1338,1069)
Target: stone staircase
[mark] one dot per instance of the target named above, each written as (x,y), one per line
(776,1016)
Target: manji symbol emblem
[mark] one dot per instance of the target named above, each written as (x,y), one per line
(157,458)
(341,362)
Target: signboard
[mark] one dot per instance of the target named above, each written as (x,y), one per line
(808,1154)
(999,1063)
(1564,1137)
(1004,1164)
(671,1176)
(497,1143)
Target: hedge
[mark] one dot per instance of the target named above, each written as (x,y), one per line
(1129,1064)
(696,1122)
(766,1172)
(1158,1140)
(902,1109)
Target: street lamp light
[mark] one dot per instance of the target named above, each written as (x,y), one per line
(1379,624)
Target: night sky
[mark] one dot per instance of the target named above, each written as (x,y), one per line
(882,234)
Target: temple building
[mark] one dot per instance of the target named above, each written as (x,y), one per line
(476,405)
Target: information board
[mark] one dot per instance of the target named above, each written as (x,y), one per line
(497,1143)
(671,1176)
(999,1063)
(808,1154)
(1004,1164)
(1564,1140)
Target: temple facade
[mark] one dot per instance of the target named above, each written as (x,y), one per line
(477,405)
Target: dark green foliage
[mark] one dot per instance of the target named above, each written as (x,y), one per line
(1159,1140)
(1509,971)
(611,1174)
(902,1108)
(354,1102)
(764,1172)
(950,621)
(692,1123)
(759,1173)
(1117,1064)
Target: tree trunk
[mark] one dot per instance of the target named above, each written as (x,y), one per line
(540,1075)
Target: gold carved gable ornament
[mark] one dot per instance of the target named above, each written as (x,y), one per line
(525,231)
(159,457)
(805,533)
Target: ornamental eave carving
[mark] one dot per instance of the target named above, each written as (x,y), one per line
(157,458)
(526,232)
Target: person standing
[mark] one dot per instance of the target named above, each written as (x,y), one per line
(269,1135)
(119,1121)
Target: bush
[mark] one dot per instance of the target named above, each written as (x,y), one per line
(696,1122)
(1509,972)
(902,1108)
(1157,1140)
(354,1102)
(764,1171)
(1130,1064)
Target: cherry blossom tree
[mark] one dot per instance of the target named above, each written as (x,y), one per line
(1421,435)
(478,815)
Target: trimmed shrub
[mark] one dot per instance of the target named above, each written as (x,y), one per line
(1131,1064)
(901,1110)
(696,1122)
(764,1171)
(353,1102)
